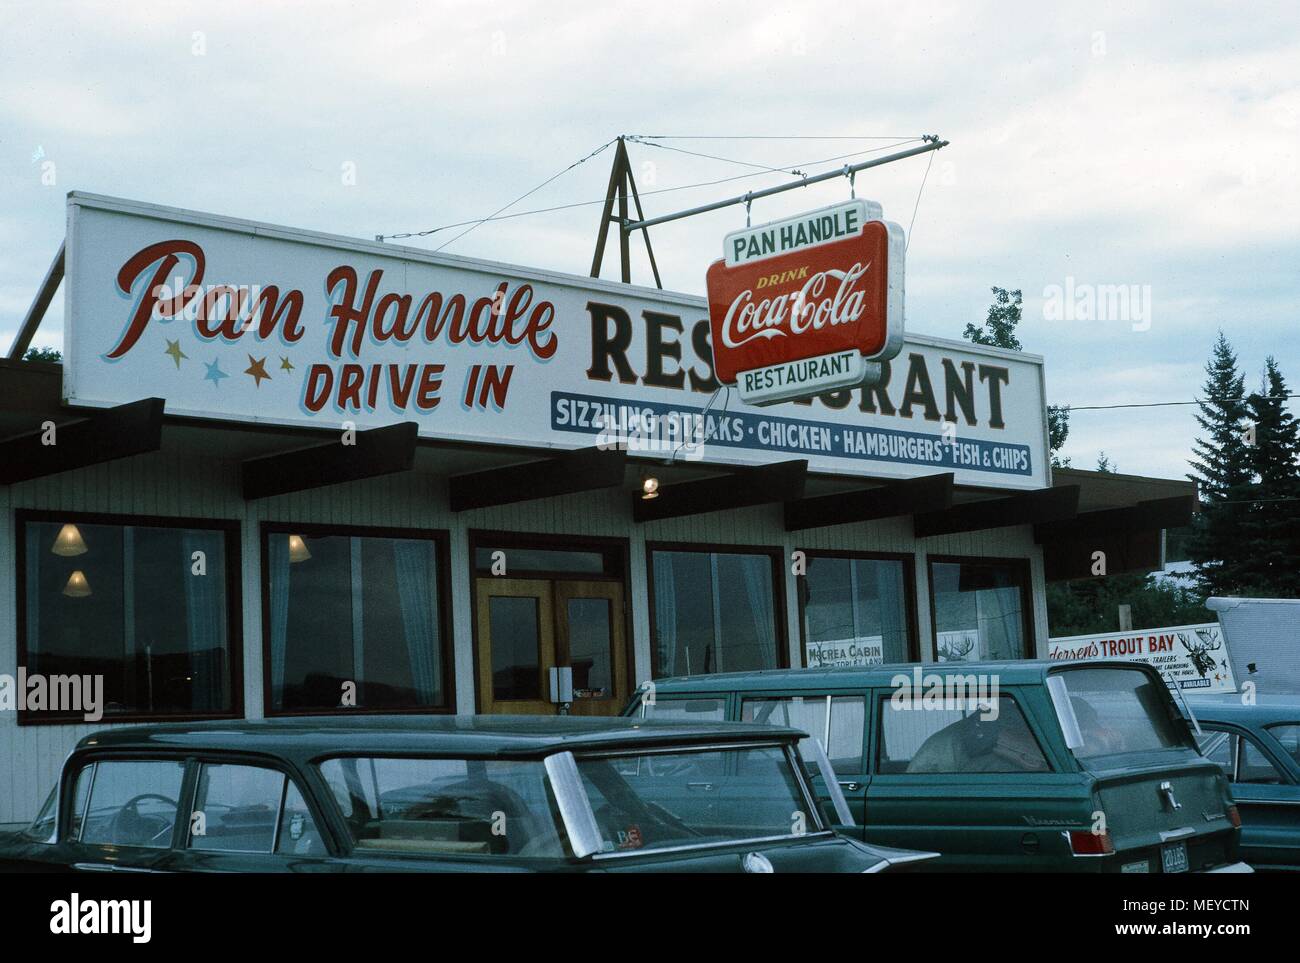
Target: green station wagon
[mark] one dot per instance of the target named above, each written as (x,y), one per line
(440,793)
(1007,766)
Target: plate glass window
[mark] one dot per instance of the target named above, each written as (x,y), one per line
(137,616)
(713,612)
(353,621)
(855,611)
(980,611)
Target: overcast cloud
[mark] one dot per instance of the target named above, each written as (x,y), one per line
(1155,145)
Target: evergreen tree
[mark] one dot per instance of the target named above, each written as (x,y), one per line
(1272,521)
(999,331)
(1221,468)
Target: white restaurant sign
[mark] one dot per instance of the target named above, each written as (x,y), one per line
(238,320)
(1194,656)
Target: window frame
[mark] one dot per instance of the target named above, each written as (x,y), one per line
(908,559)
(774,555)
(231,531)
(876,749)
(1023,569)
(441,554)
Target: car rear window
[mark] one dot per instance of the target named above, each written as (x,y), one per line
(1119,711)
(967,735)
(446,807)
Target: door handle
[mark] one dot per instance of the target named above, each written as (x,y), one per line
(702,786)
(92,867)
(850,785)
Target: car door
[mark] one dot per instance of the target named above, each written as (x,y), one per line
(837,720)
(1266,794)
(125,814)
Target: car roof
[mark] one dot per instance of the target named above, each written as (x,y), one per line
(310,736)
(1008,672)
(1228,707)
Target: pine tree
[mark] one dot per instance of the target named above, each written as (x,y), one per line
(1221,468)
(1273,518)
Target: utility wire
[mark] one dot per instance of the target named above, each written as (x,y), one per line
(772,137)
(566,207)
(792,171)
(915,207)
(1168,404)
(579,161)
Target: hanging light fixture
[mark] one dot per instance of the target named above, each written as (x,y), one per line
(77,587)
(298,549)
(69,542)
(649,487)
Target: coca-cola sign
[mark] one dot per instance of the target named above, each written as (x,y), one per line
(813,287)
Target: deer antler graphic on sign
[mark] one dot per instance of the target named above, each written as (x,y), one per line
(1200,649)
(956,650)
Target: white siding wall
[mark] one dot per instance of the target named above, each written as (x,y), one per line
(171,484)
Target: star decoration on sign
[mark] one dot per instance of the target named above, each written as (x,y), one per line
(286,364)
(174,351)
(257,368)
(215,374)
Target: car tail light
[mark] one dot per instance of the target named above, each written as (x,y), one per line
(1084,842)
(1234,817)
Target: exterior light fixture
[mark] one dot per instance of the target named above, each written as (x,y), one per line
(77,587)
(649,487)
(298,549)
(69,542)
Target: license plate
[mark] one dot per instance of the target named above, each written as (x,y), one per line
(1173,858)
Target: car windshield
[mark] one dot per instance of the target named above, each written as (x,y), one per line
(495,807)
(660,800)
(1117,711)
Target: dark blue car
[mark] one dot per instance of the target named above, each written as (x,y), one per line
(1258,747)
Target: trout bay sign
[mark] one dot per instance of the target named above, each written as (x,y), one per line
(807,304)
(243,321)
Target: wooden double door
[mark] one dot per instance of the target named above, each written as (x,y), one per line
(527,626)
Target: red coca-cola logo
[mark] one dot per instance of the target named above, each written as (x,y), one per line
(811,302)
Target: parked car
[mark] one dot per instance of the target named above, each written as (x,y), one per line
(454,794)
(1258,748)
(1014,766)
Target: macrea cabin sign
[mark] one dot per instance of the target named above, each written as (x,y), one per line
(242,321)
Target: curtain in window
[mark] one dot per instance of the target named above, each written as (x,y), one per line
(277,557)
(756,571)
(999,620)
(204,602)
(665,613)
(33,584)
(417,594)
(889,599)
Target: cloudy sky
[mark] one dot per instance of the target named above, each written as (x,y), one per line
(1153,146)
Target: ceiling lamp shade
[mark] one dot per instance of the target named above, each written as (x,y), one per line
(298,549)
(77,587)
(69,542)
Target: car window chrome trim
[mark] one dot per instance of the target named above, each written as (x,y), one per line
(838,803)
(575,807)
(1069,722)
(719,844)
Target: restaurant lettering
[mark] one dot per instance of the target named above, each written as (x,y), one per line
(357,316)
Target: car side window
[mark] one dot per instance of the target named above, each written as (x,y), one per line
(685,710)
(298,834)
(844,737)
(131,802)
(236,808)
(1255,767)
(1288,734)
(968,737)
(1218,747)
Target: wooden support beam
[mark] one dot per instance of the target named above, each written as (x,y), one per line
(781,482)
(1110,553)
(1154,514)
(374,452)
(130,429)
(1024,508)
(40,304)
(574,471)
(927,493)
